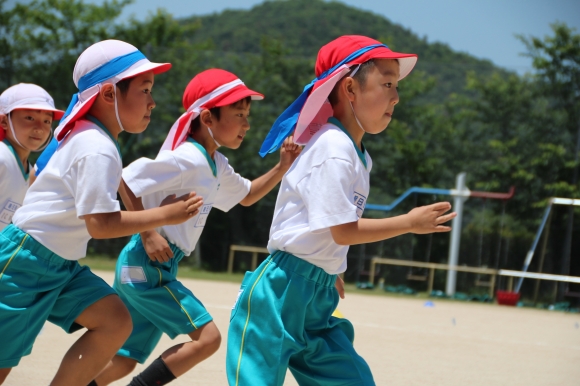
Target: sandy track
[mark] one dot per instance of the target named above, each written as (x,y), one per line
(405,343)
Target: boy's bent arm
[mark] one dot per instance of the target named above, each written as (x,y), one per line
(263,184)
(156,247)
(421,220)
(123,223)
(131,202)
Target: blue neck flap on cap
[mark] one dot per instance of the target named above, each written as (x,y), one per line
(286,122)
(106,71)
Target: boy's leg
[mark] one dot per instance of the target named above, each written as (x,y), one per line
(87,301)
(117,368)
(180,358)
(159,303)
(311,366)
(109,325)
(4,373)
(29,287)
(266,326)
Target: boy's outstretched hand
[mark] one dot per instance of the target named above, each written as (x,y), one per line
(288,152)
(429,219)
(182,208)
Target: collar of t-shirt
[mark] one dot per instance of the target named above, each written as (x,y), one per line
(22,169)
(361,154)
(210,161)
(102,127)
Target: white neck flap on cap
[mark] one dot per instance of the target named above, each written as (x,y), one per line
(194,110)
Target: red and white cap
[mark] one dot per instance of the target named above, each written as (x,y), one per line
(208,89)
(26,96)
(317,109)
(105,62)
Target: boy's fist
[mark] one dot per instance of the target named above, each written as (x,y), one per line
(289,152)
(180,209)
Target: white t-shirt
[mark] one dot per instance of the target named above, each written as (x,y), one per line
(13,183)
(180,171)
(327,185)
(82,177)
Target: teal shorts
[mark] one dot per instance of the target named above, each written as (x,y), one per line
(37,285)
(157,301)
(283,319)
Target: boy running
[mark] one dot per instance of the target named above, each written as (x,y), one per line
(217,105)
(73,200)
(282,317)
(26,115)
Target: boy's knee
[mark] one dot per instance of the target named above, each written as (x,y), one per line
(213,338)
(117,318)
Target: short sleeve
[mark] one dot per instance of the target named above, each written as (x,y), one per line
(146,176)
(233,188)
(93,182)
(328,194)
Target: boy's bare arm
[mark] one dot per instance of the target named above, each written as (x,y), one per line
(124,223)
(421,220)
(131,202)
(265,183)
(156,247)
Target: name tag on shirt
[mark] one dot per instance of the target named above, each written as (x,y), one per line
(203,213)
(360,201)
(8,212)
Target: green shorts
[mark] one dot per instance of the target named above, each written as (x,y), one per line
(37,285)
(283,319)
(157,301)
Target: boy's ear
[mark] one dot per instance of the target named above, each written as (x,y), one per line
(347,88)
(107,93)
(4,121)
(206,118)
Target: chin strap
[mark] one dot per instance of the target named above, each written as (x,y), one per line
(116,109)
(21,145)
(350,103)
(212,137)
(355,117)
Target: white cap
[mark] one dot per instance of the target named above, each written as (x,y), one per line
(104,57)
(27,96)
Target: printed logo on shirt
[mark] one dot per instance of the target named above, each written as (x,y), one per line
(238,298)
(360,201)
(8,211)
(132,275)
(202,217)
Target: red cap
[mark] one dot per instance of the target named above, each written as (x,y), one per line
(208,89)
(332,53)
(208,81)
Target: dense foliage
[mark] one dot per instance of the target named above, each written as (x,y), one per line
(457,113)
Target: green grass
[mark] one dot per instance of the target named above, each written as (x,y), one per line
(104,263)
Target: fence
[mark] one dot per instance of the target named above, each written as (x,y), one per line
(486,271)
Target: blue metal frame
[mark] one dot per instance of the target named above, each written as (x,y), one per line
(388,208)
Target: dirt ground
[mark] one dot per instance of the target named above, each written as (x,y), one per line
(404,342)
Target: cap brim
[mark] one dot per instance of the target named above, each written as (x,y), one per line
(57,114)
(236,94)
(145,66)
(406,61)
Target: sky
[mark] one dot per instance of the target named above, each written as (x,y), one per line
(483,28)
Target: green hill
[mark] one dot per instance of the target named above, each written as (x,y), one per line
(303,26)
